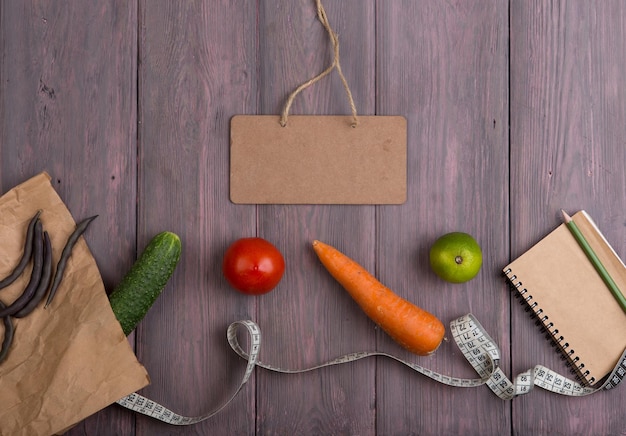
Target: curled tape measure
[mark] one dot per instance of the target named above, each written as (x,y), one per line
(472,339)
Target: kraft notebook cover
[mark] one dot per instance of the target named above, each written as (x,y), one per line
(556,280)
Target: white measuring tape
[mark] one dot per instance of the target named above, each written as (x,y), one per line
(472,339)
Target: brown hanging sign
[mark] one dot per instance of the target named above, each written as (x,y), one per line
(311,159)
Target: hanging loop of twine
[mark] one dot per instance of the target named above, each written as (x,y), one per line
(321,14)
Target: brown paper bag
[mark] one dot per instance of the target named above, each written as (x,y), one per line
(71,359)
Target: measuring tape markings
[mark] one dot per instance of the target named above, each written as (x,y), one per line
(145,406)
(476,345)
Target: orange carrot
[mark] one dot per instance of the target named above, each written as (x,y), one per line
(410,326)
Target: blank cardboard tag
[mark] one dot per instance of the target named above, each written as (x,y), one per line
(318,159)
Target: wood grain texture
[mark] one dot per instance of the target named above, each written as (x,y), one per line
(68,107)
(568,108)
(450,81)
(197,66)
(309,319)
(515,109)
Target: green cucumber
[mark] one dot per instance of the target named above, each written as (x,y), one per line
(141,286)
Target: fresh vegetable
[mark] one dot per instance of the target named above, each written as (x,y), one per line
(410,326)
(26,255)
(9,330)
(35,276)
(145,281)
(253,266)
(44,282)
(65,255)
(37,247)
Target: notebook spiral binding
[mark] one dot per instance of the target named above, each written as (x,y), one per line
(551,331)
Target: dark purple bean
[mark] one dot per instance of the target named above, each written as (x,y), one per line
(35,275)
(9,332)
(46,276)
(65,255)
(26,255)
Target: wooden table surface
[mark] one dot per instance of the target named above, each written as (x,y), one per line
(515,109)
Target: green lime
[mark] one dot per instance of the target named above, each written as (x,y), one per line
(456,257)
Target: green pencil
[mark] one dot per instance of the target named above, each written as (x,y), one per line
(593,258)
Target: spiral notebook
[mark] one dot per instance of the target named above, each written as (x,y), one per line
(557,282)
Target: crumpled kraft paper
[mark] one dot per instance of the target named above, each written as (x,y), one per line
(71,359)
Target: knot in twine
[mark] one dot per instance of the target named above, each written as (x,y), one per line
(321,14)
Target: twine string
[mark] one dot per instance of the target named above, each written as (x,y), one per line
(321,14)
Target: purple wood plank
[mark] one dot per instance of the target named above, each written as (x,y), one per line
(197,69)
(68,107)
(309,319)
(444,66)
(568,95)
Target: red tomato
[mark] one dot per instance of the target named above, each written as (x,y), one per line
(253,266)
